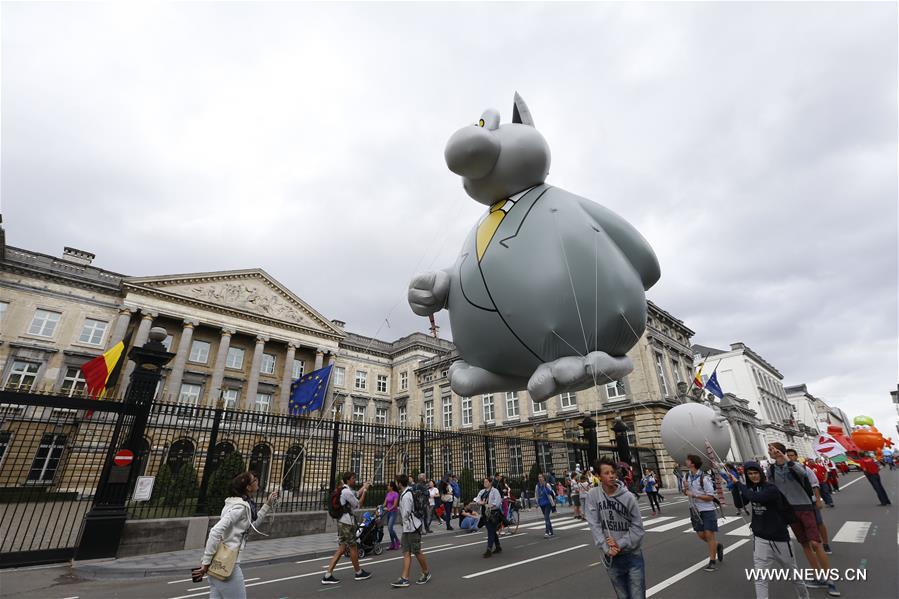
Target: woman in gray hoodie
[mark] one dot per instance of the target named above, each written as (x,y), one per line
(617,526)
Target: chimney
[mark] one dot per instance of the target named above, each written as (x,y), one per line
(77,256)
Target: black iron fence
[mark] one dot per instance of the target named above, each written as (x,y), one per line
(54,452)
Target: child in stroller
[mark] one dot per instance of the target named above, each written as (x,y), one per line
(370,533)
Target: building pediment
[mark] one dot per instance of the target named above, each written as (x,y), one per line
(253,292)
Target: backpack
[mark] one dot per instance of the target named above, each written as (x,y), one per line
(420,504)
(802,480)
(335,508)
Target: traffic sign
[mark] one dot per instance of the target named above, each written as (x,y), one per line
(123,457)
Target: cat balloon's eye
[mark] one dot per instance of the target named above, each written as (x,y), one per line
(481,123)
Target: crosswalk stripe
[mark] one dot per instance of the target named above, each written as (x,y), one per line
(852,532)
(743,531)
(654,521)
(569,526)
(540,524)
(720,525)
(669,526)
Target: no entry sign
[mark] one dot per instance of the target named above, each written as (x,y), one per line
(123,457)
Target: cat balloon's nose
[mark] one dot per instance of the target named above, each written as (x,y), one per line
(472,152)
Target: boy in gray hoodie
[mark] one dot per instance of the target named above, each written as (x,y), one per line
(614,518)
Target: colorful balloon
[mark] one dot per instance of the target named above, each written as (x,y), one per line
(548,292)
(863,421)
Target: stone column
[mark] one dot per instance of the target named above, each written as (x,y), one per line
(332,357)
(287,378)
(253,381)
(120,327)
(143,332)
(319,358)
(218,372)
(187,334)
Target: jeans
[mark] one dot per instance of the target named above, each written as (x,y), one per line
(391,520)
(547,523)
(628,575)
(233,588)
(448,513)
(492,539)
(469,523)
(826,495)
(874,479)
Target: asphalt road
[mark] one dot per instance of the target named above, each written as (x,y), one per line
(863,535)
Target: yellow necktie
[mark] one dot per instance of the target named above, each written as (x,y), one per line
(489,225)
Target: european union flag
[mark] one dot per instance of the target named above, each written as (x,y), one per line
(307,393)
(713,387)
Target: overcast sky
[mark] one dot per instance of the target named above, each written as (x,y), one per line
(753,145)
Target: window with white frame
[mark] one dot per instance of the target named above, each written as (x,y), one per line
(755,373)
(299,369)
(22,375)
(402,415)
(429,413)
(675,368)
(467,456)
(512,404)
(74,383)
(339,376)
(337,408)
(466,411)
(3,307)
(358,413)
(361,379)
(381,415)
(447,411)
(516,464)
(263,402)
(44,322)
(92,332)
(378,476)
(404,381)
(189,394)
(199,351)
(5,438)
(235,358)
(46,460)
(489,409)
(382,383)
(538,408)
(660,370)
(568,401)
(356,463)
(490,450)
(268,364)
(616,390)
(230,397)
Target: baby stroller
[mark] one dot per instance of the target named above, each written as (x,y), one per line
(370,533)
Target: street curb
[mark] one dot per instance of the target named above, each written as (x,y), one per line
(96,569)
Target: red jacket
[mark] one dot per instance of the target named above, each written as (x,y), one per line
(869,466)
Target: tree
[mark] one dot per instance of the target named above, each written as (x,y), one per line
(220,481)
(533,474)
(467,484)
(172,489)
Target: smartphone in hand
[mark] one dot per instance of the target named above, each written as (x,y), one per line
(196,575)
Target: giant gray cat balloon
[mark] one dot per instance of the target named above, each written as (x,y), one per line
(548,293)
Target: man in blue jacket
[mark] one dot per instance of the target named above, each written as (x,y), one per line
(771,514)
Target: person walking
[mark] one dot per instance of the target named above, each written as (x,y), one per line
(771,539)
(816,497)
(491,503)
(422,487)
(346,529)
(680,479)
(446,499)
(457,492)
(575,495)
(872,473)
(391,509)
(793,481)
(613,514)
(700,491)
(411,541)
(237,519)
(546,499)
(650,486)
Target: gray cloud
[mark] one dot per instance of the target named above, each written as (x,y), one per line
(753,144)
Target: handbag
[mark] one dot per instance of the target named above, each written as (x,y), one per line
(222,564)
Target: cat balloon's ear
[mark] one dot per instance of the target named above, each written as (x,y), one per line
(520,112)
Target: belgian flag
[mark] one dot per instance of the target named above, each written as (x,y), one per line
(102,372)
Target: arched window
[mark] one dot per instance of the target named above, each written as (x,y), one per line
(260,460)
(181,452)
(219,453)
(293,469)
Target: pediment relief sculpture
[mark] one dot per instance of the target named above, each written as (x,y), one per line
(247,296)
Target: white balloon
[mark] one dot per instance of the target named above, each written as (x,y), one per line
(687,427)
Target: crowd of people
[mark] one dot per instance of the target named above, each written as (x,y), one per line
(777,493)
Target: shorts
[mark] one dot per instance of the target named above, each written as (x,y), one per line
(806,529)
(411,542)
(576,500)
(346,534)
(708,521)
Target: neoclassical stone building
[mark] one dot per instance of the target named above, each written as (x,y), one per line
(242,337)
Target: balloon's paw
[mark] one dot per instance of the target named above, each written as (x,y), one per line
(577,373)
(467,380)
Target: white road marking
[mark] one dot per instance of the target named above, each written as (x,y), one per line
(361,561)
(852,532)
(720,526)
(654,521)
(522,562)
(569,526)
(207,588)
(315,559)
(684,573)
(541,524)
(177,581)
(852,482)
(743,531)
(669,526)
